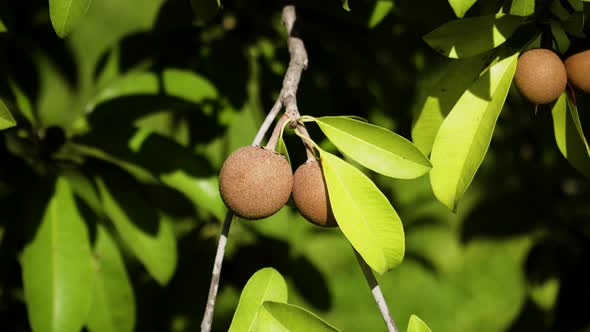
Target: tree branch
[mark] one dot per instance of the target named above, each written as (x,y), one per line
(377,294)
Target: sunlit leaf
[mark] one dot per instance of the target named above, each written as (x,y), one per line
(467,37)
(6,119)
(146,231)
(464,137)
(57,267)
(460,7)
(380,11)
(417,325)
(374,147)
(569,134)
(287,317)
(66,14)
(522,7)
(364,214)
(113,304)
(441,98)
(266,284)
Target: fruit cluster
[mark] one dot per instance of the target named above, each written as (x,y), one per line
(541,76)
(255,183)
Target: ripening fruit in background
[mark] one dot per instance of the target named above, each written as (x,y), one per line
(540,75)
(578,70)
(311,196)
(255,183)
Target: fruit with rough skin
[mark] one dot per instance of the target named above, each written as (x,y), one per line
(578,70)
(311,195)
(255,183)
(540,75)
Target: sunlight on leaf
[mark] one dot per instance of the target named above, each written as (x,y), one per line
(522,7)
(345,5)
(287,317)
(266,284)
(6,119)
(380,11)
(374,147)
(465,135)
(569,135)
(364,214)
(417,325)
(66,14)
(460,7)
(467,37)
(57,267)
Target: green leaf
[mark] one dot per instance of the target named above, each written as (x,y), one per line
(561,40)
(460,7)
(380,11)
(364,214)
(147,232)
(205,10)
(441,98)
(417,325)
(467,37)
(287,317)
(57,267)
(66,14)
(23,102)
(6,119)
(522,7)
(113,304)
(374,147)
(266,284)
(2,27)
(569,135)
(345,5)
(465,135)
(282,148)
(574,25)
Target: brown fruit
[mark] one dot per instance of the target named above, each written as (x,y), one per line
(540,75)
(255,183)
(578,70)
(311,195)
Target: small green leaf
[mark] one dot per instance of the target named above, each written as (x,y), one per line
(374,147)
(467,37)
(205,10)
(147,232)
(417,325)
(522,7)
(561,40)
(66,14)
(113,304)
(364,214)
(460,7)
(23,102)
(380,11)
(465,135)
(345,5)
(6,119)
(287,317)
(569,135)
(2,27)
(57,267)
(282,149)
(441,98)
(266,284)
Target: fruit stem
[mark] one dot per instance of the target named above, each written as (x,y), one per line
(309,148)
(377,294)
(277,133)
(216,273)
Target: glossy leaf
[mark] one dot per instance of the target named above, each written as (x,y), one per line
(6,119)
(374,147)
(465,135)
(441,98)
(460,7)
(147,232)
(266,284)
(364,214)
(467,37)
(113,304)
(417,325)
(57,267)
(522,7)
(66,14)
(569,135)
(380,11)
(287,317)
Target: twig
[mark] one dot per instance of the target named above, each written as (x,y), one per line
(377,294)
(287,98)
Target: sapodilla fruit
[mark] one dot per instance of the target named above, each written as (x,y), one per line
(311,196)
(540,75)
(255,183)
(578,70)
